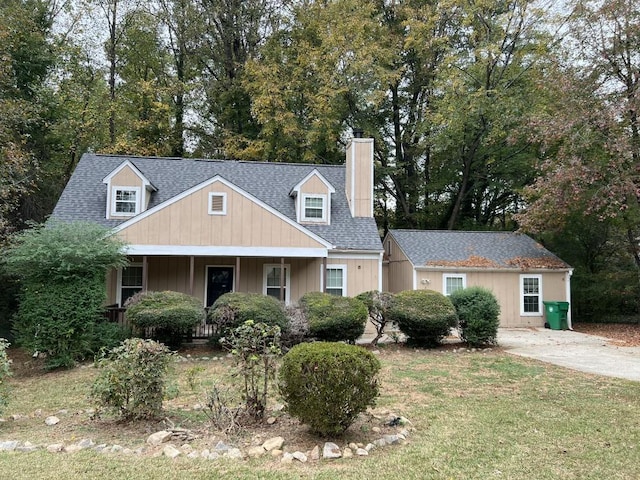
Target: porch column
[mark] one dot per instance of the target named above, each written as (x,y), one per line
(282,279)
(324,274)
(145,273)
(192,270)
(236,277)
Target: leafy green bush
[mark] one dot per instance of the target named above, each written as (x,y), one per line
(62,270)
(377,304)
(255,347)
(170,315)
(5,371)
(424,316)
(58,319)
(132,379)
(332,318)
(326,385)
(234,308)
(478,311)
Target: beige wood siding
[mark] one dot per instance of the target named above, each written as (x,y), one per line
(362,274)
(359,176)
(399,270)
(314,185)
(187,222)
(506,287)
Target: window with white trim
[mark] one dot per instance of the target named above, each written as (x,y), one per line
(129,282)
(272,281)
(531,295)
(125,201)
(217,203)
(314,208)
(452,282)
(337,280)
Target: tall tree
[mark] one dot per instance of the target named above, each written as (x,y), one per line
(312,77)
(231,32)
(25,60)
(591,134)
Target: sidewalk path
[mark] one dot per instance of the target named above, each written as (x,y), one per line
(578,351)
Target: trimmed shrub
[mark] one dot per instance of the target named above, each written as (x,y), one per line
(478,311)
(255,347)
(326,385)
(377,304)
(424,316)
(332,318)
(171,315)
(5,371)
(131,382)
(232,309)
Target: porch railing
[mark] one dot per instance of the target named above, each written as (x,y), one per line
(117,314)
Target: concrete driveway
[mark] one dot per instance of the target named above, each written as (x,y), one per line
(578,351)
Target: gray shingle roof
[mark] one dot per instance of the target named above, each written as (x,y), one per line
(85,196)
(475,249)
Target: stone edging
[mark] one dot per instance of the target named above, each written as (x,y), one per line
(273,446)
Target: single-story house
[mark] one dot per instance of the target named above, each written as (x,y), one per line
(206,227)
(520,272)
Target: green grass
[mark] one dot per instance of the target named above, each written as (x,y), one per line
(478,415)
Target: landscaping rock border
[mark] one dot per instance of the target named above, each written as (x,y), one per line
(159,444)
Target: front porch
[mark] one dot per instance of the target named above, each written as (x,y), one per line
(206,278)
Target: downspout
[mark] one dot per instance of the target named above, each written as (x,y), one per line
(380,272)
(567,287)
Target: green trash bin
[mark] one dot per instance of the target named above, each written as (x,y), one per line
(557,314)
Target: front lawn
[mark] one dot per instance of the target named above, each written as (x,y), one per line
(477,415)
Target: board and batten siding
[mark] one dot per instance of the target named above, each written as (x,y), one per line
(187,222)
(314,185)
(506,287)
(399,270)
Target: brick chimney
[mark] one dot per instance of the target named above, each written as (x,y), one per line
(359,175)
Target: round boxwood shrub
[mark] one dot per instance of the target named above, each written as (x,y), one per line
(424,316)
(326,385)
(332,318)
(478,311)
(232,309)
(171,315)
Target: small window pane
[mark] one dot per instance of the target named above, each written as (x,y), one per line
(335,281)
(131,282)
(454,284)
(530,286)
(313,207)
(126,201)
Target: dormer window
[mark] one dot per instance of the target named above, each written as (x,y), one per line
(126,201)
(313,199)
(128,191)
(315,208)
(217,203)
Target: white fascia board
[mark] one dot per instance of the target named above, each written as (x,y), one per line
(127,163)
(212,251)
(355,254)
(233,187)
(432,268)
